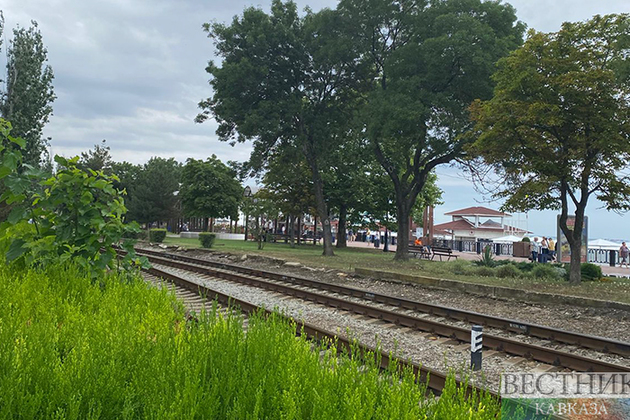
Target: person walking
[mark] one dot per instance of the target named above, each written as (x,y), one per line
(623,254)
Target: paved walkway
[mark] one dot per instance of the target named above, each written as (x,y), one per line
(606,269)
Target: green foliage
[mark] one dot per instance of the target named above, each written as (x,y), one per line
(525,239)
(98,159)
(591,272)
(259,207)
(428,61)
(508,271)
(460,267)
(153,190)
(207,239)
(28,95)
(120,349)
(287,182)
(557,129)
(486,271)
(157,235)
(139,234)
(547,271)
(296,83)
(487,258)
(209,189)
(73,215)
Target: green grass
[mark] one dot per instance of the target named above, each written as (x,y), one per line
(617,289)
(71,348)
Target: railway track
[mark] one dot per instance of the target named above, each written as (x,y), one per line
(296,287)
(200,294)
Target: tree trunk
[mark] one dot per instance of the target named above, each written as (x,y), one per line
(341,229)
(299,229)
(205,224)
(320,204)
(402,241)
(575,270)
(574,237)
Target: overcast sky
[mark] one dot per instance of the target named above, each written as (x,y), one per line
(133,71)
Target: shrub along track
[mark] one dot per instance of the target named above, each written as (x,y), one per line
(542,354)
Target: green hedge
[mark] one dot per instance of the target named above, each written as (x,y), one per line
(75,348)
(590,272)
(157,235)
(141,234)
(207,239)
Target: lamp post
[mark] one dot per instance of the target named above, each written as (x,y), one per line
(247,193)
(386,244)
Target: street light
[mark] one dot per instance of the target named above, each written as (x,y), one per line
(247,193)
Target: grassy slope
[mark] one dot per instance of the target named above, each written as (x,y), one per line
(349,258)
(74,349)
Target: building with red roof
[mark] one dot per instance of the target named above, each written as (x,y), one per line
(474,223)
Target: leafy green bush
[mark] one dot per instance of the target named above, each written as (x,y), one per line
(547,271)
(524,266)
(485,271)
(207,239)
(75,214)
(562,271)
(590,272)
(525,239)
(157,235)
(508,271)
(487,259)
(158,364)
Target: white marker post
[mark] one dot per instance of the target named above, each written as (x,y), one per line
(476,338)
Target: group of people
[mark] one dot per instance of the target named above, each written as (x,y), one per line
(544,249)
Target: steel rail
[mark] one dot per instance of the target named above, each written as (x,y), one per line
(602,344)
(506,345)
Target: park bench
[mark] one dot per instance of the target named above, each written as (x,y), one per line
(419,251)
(276,237)
(442,251)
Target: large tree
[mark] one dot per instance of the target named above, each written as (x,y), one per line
(28,93)
(153,194)
(557,130)
(285,78)
(209,189)
(430,60)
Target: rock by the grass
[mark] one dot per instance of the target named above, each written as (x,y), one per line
(163,246)
(292,264)
(243,257)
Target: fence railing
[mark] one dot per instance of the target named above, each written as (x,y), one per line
(598,256)
(475,246)
(602,256)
